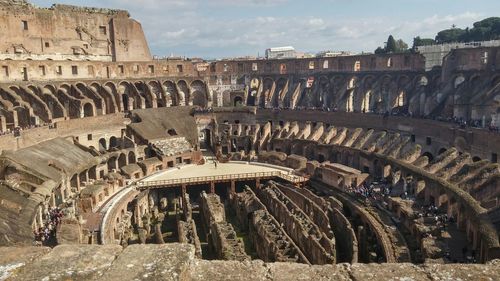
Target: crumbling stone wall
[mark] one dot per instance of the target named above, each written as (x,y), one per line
(270,240)
(177,262)
(315,244)
(221,235)
(186,227)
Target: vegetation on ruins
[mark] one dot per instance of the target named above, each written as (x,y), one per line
(484,30)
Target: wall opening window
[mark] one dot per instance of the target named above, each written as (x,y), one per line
(59,70)
(24,24)
(47,44)
(136,68)
(428,141)
(25,73)
(89,137)
(179,68)
(121,70)
(102,30)
(5,70)
(484,58)
(357,66)
(325,64)
(42,70)
(494,158)
(389,62)
(151,69)
(74,70)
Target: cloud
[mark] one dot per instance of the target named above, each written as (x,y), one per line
(222,28)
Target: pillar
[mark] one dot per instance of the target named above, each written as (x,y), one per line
(233,187)
(183,189)
(212,187)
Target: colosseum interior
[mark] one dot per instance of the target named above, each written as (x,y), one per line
(118,166)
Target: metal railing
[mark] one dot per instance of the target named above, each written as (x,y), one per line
(221,178)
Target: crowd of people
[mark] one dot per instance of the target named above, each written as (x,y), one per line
(371,191)
(47,232)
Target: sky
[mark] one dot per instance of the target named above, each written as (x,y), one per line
(231,28)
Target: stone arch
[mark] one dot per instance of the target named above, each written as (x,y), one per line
(122,160)
(157,92)
(91,95)
(112,90)
(349,107)
(107,97)
(39,107)
(147,98)
(429,156)
(171,93)
(112,164)
(265,95)
(102,145)
(113,142)
(366,102)
(184,93)
(88,110)
(279,93)
(199,94)
(48,95)
(129,99)
(131,157)
(237,101)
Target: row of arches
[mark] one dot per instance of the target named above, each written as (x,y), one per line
(24,106)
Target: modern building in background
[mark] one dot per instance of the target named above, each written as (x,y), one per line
(281,53)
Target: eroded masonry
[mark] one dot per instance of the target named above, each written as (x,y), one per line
(116,166)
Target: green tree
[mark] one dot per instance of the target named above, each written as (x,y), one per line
(417,42)
(391,46)
(401,46)
(450,35)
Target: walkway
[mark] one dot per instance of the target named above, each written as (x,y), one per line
(193,174)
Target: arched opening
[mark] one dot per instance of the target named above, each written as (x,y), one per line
(400,99)
(172,132)
(357,66)
(205,139)
(88,111)
(199,99)
(113,142)
(350,102)
(102,144)
(389,62)
(122,160)
(131,157)
(112,164)
(365,105)
(251,98)
(238,101)
(429,156)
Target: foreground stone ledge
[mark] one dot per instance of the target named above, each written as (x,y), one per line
(178,262)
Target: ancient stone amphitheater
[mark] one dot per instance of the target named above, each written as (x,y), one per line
(115,166)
